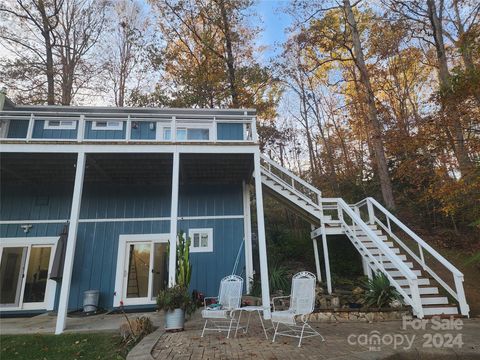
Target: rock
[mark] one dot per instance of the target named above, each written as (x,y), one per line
(396,304)
(335,302)
(357,291)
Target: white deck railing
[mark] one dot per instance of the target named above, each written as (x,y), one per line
(377,214)
(130,122)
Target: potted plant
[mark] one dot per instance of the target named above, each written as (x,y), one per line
(175,301)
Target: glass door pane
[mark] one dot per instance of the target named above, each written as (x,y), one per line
(11,271)
(37,274)
(160,268)
(138,270)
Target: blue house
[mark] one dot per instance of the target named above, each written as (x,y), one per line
(125,181)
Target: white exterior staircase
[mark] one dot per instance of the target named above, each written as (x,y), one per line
(384,242)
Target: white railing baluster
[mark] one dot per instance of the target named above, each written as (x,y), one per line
(388,224)
(420,250)
(81,128)
(214,136)
(371,213)
(254,129)
(31,123)
(128,134)
(462,301)
(173,131)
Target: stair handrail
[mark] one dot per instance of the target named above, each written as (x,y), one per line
(458,276)
(291,175)
(414,298)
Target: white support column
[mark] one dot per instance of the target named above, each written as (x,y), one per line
(327,261)
(71,242)
(128,130)
(367,271)
(262,243)
(173,219)
(81,128)
(317,259)
(247,230)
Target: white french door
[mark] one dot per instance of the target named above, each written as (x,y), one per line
(25,265)
(143,266)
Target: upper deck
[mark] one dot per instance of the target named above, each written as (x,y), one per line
(21,124)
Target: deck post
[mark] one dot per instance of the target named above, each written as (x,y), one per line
(247,230)
(262,243)
(174,220)
(71,242)
(326,259)
(317,259)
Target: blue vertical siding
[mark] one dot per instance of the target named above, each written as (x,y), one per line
(210,267)
(143,130)
(18,129)
(103,134)
(97,243)
(210,200)
(40,133)
(226,131)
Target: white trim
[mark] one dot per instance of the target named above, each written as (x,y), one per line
(61,221)
(124,219)
(21,222)
(62,124)
(218,217)
(200,232)
(122,271)
(146,147)
(174,219)
(71,241)
(51,286)
(262,246)
(110,125)
(247,236)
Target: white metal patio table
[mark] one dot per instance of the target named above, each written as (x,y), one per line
(250,310)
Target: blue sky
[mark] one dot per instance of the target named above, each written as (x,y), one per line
(274,23)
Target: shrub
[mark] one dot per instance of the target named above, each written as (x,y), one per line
(175,297)
(379,291)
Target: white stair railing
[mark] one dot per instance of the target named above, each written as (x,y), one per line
(290,180)
(375,211)
(352,223)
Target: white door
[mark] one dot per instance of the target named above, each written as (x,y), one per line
(145,266)
(24,276)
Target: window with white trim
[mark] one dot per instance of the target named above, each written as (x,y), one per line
(60,125)
(107,125)
(201,240)
(190,134)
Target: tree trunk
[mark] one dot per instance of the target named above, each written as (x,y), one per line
(376,128)
(460,150)
(48,54)
(230,58)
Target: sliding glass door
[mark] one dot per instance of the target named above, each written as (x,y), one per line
(145,271)
(24,272)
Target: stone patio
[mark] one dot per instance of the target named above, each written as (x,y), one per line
(253,345)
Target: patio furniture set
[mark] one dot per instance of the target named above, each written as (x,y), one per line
(226,313)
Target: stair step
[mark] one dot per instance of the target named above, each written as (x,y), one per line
(379,256)
(396,273)
(371,244)
(376,251)
(388,265)
(421,281)
(440,310)
(434,300)
(364,238)
(371,226)
(422,290)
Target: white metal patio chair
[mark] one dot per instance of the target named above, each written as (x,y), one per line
(229,300)
(302,302)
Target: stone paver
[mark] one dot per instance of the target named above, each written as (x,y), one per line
(189,344)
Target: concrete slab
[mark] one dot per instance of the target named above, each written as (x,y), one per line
(45,323)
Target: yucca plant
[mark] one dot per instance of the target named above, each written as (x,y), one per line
(379,291)
(184,266)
